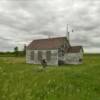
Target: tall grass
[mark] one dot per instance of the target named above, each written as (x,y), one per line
(21,81)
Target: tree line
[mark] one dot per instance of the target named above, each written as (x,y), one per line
(15,53)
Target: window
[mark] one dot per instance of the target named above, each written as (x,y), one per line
(32,55)
(48,55)
(60,52)
(39,55)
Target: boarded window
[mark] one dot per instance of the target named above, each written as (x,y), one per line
(32,55)
(39,55)
(48,55)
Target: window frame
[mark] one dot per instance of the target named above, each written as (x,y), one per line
(32,55)
(40,53)
(48,55)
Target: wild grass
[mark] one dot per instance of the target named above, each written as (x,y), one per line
(21,81)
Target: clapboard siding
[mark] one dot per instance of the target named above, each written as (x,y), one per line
(53,60)
(74,58)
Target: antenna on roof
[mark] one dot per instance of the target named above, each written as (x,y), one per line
(67,34)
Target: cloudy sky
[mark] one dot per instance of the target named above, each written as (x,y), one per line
(21,21)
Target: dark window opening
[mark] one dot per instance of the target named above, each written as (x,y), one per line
(32,55)
(48,55)
(39,55)
(60,62)
(60,52)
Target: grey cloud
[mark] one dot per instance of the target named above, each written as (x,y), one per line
(24,20)
(5,44)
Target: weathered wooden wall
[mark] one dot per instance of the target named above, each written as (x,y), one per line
(73,58)
(68,58)
(53,61)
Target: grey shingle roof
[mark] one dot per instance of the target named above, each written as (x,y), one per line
(51,43)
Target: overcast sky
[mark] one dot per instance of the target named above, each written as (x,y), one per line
(21,21)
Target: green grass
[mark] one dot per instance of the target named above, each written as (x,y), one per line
(20,81)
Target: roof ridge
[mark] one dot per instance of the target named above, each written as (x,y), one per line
(49,38)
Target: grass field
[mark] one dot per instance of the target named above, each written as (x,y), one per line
(20,81)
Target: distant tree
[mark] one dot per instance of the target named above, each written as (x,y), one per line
(16,51)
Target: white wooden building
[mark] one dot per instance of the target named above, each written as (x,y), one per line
(55,51)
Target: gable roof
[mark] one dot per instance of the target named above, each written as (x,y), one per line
(73,49)
(51,43)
